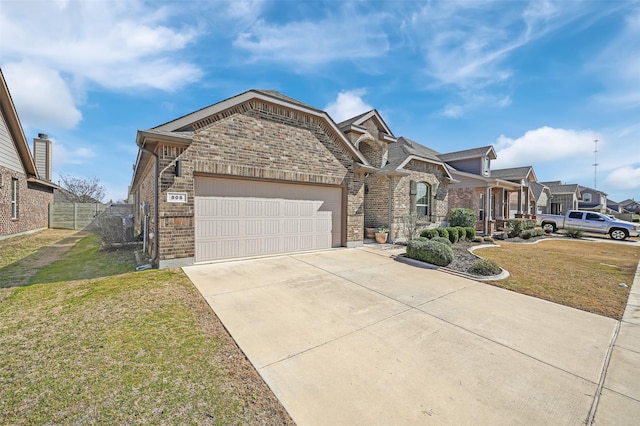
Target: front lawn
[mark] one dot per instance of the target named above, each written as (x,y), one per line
(583,275)
(86,342)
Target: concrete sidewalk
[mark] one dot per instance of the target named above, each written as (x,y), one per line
(350,336)
(619,402)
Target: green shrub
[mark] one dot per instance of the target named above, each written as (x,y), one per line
(573,233)
(477,239)
(429,233)
(516,226)
(453,235)
(462,232)
(462,217)
(488,239)
(538,232)
(636,220)
(485,267)
(430,251)
(470,232)
(442,232)
(525,235)
(442,240)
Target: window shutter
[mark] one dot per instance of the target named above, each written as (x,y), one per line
(413,190)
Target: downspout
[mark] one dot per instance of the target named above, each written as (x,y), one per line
(390,208)
(156,240)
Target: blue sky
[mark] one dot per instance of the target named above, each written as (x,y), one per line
(539,80)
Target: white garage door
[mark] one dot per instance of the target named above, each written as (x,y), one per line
(239,218)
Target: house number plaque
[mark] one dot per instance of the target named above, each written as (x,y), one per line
(176,197)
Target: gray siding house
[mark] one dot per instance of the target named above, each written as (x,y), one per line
(25,189)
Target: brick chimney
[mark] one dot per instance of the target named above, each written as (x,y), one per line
(42,156)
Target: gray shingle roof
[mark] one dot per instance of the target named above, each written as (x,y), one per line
(537,189)
(467,153)
(512,173)
(276,94)
(404,148)
(556,187)
(353,119)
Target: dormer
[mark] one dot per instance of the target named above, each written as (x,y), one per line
(370,135)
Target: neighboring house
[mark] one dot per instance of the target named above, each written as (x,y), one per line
(477,189)
(524,201)
(631,205)
(542,195)
(563,197)
(25,187)
(262,173)
(593,200)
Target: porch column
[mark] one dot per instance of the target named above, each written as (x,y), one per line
(520,199)
(487,209)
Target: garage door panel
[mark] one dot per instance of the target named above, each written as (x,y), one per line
(263,218)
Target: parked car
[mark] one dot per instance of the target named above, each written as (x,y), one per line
(589,222)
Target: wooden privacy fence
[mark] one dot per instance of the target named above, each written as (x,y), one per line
(74,215)
(81,215)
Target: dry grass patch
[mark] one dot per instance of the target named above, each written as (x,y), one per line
(579,274)
(85,342)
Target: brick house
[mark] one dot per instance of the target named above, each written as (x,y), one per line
(25,187)
(492,198)
(524,201)
(263,173)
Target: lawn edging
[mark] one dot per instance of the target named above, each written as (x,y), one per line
(403,258)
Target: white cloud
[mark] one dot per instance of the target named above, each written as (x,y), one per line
(624,178)
(63,155)
(348,104)
(307,44)
(116,45)
(94,40)
(41,95)
(465,43)
(545,144)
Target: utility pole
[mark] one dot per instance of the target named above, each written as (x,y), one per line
(595,165)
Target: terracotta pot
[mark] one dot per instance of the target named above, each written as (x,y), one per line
(369,232)
(381,237)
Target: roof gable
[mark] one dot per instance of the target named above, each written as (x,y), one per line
(359,120)
(469,153)
(14,132)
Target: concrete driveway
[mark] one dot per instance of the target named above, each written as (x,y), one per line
(350,336)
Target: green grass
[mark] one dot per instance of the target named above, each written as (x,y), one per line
(84,343)
(86,260)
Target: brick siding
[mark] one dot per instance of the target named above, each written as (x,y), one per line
(32,204)
(260,141)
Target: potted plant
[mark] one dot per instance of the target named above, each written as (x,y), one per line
(381,234)
(369,232)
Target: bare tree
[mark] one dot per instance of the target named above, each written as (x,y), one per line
(82,190)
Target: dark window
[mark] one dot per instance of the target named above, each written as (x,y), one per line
(14,198)
(575,215)
(593,216)
(481,209)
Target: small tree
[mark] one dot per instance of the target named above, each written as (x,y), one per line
(410,225)
(82,190)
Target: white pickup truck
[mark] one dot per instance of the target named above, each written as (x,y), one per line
(589,222)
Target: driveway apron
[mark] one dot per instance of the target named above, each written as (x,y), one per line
(350,336)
